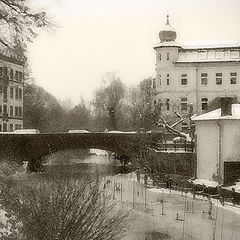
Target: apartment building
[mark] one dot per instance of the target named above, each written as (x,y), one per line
(11,92)
(189,77)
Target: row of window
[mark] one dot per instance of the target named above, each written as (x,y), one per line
(184,104)
(204,79)
(204,54)
(160,56)
(4,127)
(17,113)
(13,75)
(18,92)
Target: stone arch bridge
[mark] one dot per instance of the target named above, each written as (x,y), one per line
(32,147)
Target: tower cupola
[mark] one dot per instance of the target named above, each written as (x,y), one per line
(168,34)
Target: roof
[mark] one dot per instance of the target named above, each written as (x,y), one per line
(211,45)
(216,114)
(217,54)
(167,44)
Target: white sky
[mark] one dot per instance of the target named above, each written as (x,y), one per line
(99,36)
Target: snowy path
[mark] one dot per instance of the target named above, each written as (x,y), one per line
(197,226)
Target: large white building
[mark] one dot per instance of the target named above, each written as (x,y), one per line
(11,92)
(194,76)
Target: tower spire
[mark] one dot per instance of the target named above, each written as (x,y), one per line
(167,23)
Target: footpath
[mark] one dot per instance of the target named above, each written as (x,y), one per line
(160,214)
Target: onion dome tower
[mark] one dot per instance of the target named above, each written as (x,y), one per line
(168,34)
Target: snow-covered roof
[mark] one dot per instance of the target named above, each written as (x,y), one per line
(216,114)
(210,45)
(167,44)
(205,54)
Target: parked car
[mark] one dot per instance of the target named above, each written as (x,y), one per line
(26,131)
(78,131)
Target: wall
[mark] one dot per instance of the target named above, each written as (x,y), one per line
(207,149)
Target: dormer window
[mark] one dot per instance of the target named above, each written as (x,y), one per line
(219,54)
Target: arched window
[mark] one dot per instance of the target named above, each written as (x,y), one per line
(20,93)
(5,109)
(4,127)
(11,111)
(11,74)
(11,127)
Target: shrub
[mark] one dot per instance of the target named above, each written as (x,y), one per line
(61,209)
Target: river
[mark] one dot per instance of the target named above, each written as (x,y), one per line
(96,161)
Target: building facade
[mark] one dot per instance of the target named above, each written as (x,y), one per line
(11,93)
(217,142)
(188,78)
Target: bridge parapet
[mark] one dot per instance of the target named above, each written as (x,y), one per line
(30,147)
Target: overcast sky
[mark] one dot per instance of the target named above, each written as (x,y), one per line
(99,36)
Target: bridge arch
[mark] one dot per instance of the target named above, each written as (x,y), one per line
(32,147)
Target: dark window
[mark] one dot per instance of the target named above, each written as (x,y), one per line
(218,78)
(1,71)
(20,93)
(16,93)
(168,56)
(167,104)
(0,127)
(159,56)
(204,79)
(20,111)
(168,80)
(4,127)
(5,71)
(10,127)
(184,104)
(5,93)
(184,79)
(11,92)
(16,75)
(5,109)
(1,110)
(204,104)
(16,127)
(20,76)
(16,111)
(233,78)
(1,89)
(184,127)
(11,74)
(154,83)
(11,111)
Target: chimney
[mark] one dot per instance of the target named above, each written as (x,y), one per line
(226,106)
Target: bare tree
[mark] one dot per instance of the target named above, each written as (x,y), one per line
(19,21)
(109,98)
(61,210)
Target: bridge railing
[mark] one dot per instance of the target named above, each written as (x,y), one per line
(174,147)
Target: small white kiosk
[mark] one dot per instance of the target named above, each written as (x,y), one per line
(218,140)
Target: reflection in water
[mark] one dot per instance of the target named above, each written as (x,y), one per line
(96,162)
